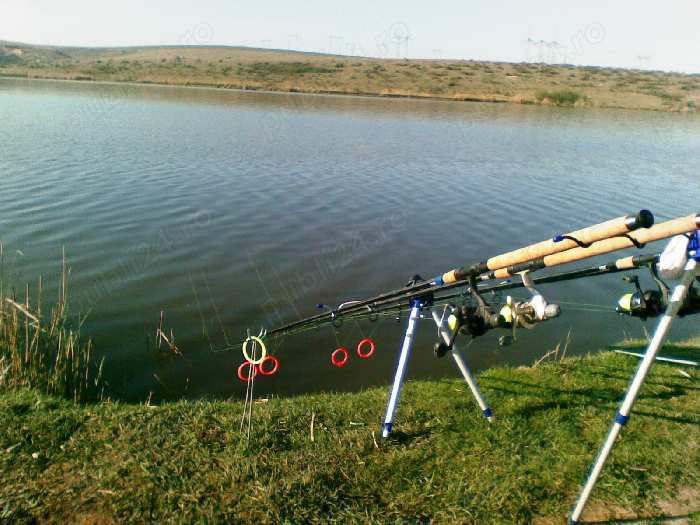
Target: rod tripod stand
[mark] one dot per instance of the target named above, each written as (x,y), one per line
(680,292)
(445,333)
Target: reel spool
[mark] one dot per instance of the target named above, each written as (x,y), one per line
(646,304)
(640,303)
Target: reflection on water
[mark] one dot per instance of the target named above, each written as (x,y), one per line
(228,210)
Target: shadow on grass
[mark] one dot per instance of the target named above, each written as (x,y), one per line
(403,438)
(611,394)
(675,419)
(607,398)
(611,373)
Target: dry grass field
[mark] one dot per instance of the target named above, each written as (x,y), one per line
(288,71)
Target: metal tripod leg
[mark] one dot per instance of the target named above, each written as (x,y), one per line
(675,303)
(401,369)
(459,360)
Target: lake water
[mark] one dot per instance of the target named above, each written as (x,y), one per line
(225,210)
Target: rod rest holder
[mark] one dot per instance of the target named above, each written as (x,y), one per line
(422,300)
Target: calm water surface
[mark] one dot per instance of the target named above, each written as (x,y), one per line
(225,210)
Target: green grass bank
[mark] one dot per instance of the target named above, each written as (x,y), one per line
(319,459)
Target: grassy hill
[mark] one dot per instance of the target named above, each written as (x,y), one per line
(290,71)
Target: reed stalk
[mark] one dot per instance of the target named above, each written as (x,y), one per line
(43,351)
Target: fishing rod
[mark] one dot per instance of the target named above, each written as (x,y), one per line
(583,249)
(476,316)
(396,307)
(559,243)
(446,293)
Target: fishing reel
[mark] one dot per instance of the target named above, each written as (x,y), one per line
(642,303)
(652,303)
(473,319)
(479,317)
(645,304)
(526,314)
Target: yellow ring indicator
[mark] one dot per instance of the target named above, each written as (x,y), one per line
(262,346)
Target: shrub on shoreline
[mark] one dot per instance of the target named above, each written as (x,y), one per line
(560,98)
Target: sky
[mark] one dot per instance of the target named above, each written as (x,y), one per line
(633,34)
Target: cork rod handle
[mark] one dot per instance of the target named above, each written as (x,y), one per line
(655,233)
(589,235)
(605,230)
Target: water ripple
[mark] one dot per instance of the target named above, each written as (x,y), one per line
(225,210)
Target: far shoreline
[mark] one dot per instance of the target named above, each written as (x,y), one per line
(237,89)
(331,93)
(279,71)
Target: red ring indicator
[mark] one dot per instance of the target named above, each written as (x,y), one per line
(275,365)
(369,353)
(340,357)
(250,375)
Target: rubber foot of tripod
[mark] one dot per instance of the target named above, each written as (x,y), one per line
(386,430)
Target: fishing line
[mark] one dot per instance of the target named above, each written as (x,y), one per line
(592,305)
(574,305)
(205,332)
(250,384)
(248,392)
(216,310)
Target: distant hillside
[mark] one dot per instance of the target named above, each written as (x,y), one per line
(292,71)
